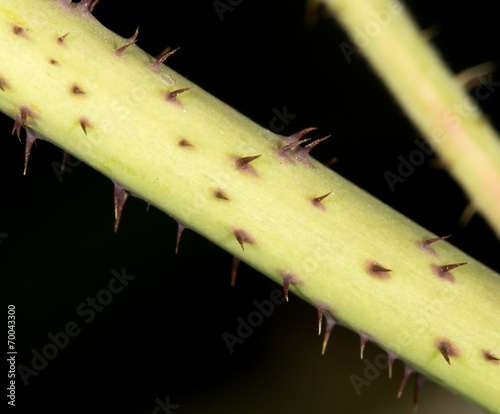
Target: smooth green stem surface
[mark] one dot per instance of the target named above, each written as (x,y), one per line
(186,153)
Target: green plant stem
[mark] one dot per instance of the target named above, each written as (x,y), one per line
(186,154)
(430,95)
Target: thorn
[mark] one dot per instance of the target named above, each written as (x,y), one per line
(321,310)
(132,40)
(234,269)
(297,136)
(172,96)
(391,356)
(180,229)
(162,58)
(490,357)
(363,339)
(65,157)
(76,90)
(407,372)
(331,161)
(243,237)
(60,39)
(84,123)
(304,152)
(447,349)
(446,356)
(31,137)
(284,153)
(22,119)
(87,6)
(419,381)
(184,143)
(474,76)
(466,216)
(425,245)
(287,279)
(431,32)
(317,201)
(446,268)
(120,197)
(377,270)
(443,271)
(243,164)
(219,194)
(20,31)
(292,145)
(3,84)
(92,5)
(330,322)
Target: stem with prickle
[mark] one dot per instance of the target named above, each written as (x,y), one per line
(433,98)
(260,196)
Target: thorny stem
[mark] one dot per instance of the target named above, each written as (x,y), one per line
(430,94)
(359,262)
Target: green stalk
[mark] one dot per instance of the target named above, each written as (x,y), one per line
(250,192)
(430,94)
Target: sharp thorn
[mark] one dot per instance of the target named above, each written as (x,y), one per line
(407,372)
(234,270)
(120,197)
(419,381)
(330,322)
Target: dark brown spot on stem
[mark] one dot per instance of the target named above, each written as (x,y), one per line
(53,62)
(489,356)
(242,236)
(20,31)
(287,279)
(77,90)
(447,349)
(185,143)
(219,194)
(3,84)
(443,272)
(377,270)
(243,164)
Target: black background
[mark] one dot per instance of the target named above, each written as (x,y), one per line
(162,336)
